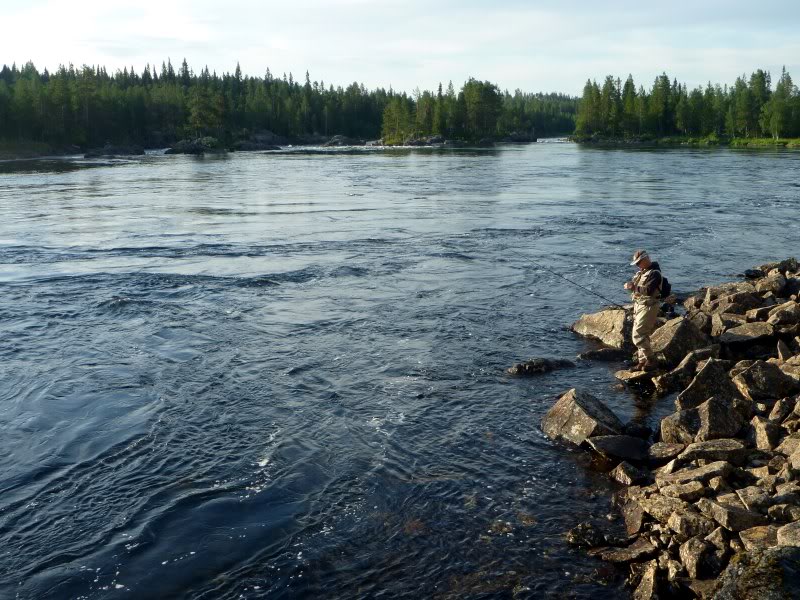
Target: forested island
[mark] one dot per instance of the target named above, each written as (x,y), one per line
(88,107)
(750,112)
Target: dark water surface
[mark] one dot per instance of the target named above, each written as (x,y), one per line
(282,375)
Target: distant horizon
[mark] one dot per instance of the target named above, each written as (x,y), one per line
(547,47)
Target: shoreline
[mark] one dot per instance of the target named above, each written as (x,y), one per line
(685,141)
(711,499)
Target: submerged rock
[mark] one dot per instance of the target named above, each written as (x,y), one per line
(619,446)
(577,416)
(538,366)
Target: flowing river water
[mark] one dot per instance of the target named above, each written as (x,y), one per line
(282,374)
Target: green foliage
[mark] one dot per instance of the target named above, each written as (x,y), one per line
(749,108)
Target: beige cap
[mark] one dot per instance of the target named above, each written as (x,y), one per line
(638,256)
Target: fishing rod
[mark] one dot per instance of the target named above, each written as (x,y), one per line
(559,275)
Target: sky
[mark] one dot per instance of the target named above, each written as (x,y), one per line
(534,46)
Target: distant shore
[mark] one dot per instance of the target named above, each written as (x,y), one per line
(668,141)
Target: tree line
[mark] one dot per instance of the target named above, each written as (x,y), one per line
(750,108)
(88,106)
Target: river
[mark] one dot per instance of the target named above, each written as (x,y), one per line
(282,374)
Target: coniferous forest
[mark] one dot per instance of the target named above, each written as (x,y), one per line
(88,106)
(750,108)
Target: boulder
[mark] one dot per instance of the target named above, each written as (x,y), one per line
(767,434)
(639,379)
(789,445)
(770,574)
(648,583)
(738,303)
(782,409)
(689,492)
(759,538)
(711,380)
(701,474)
(676,338)
(682,375)
(775,282)
(730,517)
(624,447)
(626,474)
(719,419)
(693,553)
(196,146)
(639,550)
(577,416)
(700,320)
(611,326)
(342,140)
(765,381)
(785,314)
(759,314)
(661,507)
(688,524)
(782,513)
(789,535)
(722,322)
(111,151)
(728,450)
(663,451)
(749,333)
(784,352)
(680,427)
(754,498)
(538,366)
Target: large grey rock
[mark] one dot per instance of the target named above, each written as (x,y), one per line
(661,507)
(626,474)
(682,375)
(754,498)
(789,445)
(619,446)
(577,416)
(749,333)
(688,492)
(648,584)
(759,538)
(728,450)
(680,427)
(770,574)
(781,409)
(789,535)
(640,549)
(676,338)
(611,326)
(663,451)
(720,419)
(737,303)
(787,313)
(730,517)
(702,474)
(693,553)
(687,524)
(765,381)
(711,380)
(722,322)
(775,282)
(767,434)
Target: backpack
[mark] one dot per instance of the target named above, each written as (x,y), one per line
(666,287)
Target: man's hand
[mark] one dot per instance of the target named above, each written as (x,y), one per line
(628,285)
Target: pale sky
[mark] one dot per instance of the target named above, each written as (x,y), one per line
(545,45)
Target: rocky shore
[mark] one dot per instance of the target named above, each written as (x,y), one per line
(711,499)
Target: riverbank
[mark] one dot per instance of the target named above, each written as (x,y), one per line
(669,141)
(710,499)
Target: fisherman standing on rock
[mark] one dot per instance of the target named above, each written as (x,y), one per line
(647,287)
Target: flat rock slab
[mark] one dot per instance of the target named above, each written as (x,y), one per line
(729,450)
(731,518)
(663,451)
(789,535)
(637,378)
(625,447)
(637,551)
(759,538)
(661,507)
(749,333)
(577,416)
(702,474)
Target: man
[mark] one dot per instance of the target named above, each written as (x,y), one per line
(646,289)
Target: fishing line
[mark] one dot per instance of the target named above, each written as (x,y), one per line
(559,275)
